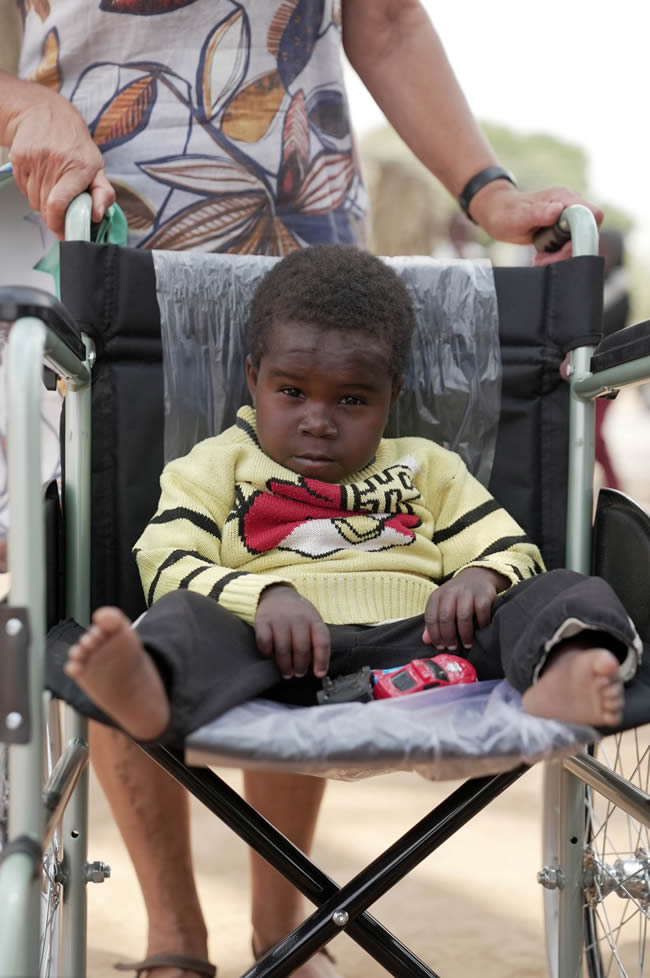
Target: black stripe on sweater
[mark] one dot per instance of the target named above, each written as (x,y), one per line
(221,584)
(515,570)
(187,580)
(464,522)
(169,561)
(502,544)
(248,428)
(183,513)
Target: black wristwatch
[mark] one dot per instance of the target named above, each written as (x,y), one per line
(477,183)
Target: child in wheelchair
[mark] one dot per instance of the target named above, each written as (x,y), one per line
(301,543)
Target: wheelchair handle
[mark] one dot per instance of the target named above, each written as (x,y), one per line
(577,224)
(553,238)
(77,218)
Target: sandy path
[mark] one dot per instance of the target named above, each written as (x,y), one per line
(472,908)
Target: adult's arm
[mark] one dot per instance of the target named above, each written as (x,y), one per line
(51,150)
(395,50)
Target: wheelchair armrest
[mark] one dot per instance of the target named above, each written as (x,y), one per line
(17,301)
(630,343)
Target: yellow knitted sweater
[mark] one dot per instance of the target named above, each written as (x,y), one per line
(231,521)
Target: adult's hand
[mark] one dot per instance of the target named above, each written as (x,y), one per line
(53,155)
(508,214)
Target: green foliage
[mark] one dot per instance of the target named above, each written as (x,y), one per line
(538,159)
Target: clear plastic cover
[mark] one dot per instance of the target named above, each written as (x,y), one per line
(451,392)
(446,733)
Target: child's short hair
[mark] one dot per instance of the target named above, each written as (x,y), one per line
(336,287)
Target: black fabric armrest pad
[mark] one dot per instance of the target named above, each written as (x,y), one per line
(627,344)
(17,301)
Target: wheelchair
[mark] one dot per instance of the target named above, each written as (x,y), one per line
(105,341)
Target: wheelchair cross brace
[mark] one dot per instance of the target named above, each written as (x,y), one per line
(339,908)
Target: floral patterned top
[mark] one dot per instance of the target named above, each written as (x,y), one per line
(223,123)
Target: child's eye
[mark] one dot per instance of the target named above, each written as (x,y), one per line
(351,399)
(291,391)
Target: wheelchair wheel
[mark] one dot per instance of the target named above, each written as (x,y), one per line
(52,873)
(617,867)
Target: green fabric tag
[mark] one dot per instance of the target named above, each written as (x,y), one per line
(112,229)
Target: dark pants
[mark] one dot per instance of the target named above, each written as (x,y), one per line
(209,660)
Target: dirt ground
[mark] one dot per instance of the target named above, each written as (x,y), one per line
(472,908)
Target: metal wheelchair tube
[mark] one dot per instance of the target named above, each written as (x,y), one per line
(584,241)
(61,784)
(612,786)
(612,379)
(570,803)
(75,820)
(19,885)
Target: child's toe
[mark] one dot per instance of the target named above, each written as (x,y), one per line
(109,620)
(605,663)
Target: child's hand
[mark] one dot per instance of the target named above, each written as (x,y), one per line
(289,628)
(452,608)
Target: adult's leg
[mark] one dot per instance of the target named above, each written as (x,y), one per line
(152,813)
(290,802)
(142,795)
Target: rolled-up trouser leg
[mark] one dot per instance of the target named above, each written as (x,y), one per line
(529,620)
(207,657)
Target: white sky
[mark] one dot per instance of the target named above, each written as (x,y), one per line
(579,69)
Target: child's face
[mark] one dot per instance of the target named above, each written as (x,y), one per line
(322,398)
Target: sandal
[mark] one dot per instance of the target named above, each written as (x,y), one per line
(260,954)
(186,962)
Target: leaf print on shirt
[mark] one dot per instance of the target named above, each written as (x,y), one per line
(40,7)
(48,72)
(223,63)
(143,8)
(126,114)
(283,173)
(240,219)
(298,39)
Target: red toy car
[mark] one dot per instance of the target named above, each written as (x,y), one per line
(440,670)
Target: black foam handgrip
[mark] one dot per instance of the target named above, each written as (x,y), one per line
(551,239)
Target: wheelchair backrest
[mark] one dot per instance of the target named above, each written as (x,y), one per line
(111,292)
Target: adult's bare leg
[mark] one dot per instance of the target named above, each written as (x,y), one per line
(291,802)
(152,813)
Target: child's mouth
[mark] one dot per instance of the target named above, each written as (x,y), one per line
(314,462)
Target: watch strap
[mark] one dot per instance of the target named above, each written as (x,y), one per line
(479,181)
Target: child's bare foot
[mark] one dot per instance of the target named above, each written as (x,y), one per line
(578,686)
(112,666)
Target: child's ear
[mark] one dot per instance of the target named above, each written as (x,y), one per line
(251,378)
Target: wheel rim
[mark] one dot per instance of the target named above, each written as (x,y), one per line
(617,867)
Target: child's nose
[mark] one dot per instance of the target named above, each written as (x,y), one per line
(317,421)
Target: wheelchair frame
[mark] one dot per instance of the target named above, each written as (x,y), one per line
(33,341)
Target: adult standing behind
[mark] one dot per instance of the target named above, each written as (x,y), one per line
(223,126)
